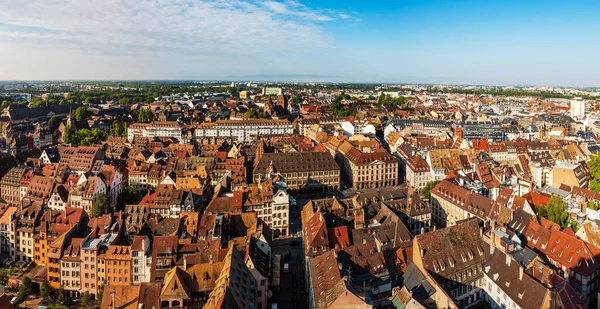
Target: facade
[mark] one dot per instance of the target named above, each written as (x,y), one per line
(368,169)
(354,127)
(243,130)
(155,129)
(89,256)
(452,203)
(300,170)
(482,130)
(10,186)
(118,265)
(577,108)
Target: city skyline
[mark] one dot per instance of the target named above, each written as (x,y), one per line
(508,43)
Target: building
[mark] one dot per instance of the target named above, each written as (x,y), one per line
(155,129)
(368,169)
(487,130)
(70,267)
(577,108)
(234,287)
(243,130)
(300,170)
(572,175)
(571,257)
(10,186)
(453,258)
(118,265)
(362,127)
(452,203)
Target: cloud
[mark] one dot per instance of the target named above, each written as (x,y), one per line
(345,16)
(224,27)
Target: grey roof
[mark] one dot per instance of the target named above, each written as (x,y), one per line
(415,282)
(557,191)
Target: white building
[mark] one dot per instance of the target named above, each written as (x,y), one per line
(140,267)
(155,129)
(244,130)
(577,108)
(363,127)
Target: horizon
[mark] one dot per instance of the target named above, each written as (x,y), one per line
(511,43)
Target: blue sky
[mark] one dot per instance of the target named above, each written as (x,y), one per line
(456,42)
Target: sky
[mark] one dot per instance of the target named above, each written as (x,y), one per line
(549,43)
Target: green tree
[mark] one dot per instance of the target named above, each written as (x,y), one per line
(125,101)
(86,137)
(26,288)
(3,276)
(591,205)
(252,112)
(68,135)
(85,299)
(555,211)
(54,122)
(297,99)
(100,293)
(426,192)
(45,289)
(62,296)
(145,115)
(124,127)
(4,104)
(129,195)
(115,129)
(100,206)
(82,113)
(594,164)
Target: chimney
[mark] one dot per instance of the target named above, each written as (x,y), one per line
(492,243)
(112,297)
(185,262)
(521,272)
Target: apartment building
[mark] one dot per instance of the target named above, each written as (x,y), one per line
(301,170)
(10,186)
(452,203)
(243,130)
(367,169)
(118,265)
(70,267)
(155,129)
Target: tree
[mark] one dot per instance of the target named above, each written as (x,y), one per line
(297,99)
(25,289)
(5,103)
(426,192)
(3,276)
(68,135)
(62,296)
(54,122)
(101,206)
(45,289)
(145,115)
(100,293)
(85,299)
(115,129)
(594,164)
(82,113)
(84,137)
(252,112)
(555,211)
(124,127)
(129,195)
